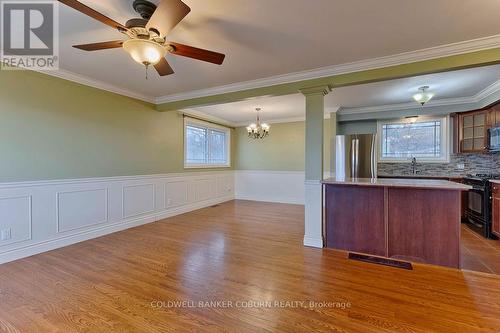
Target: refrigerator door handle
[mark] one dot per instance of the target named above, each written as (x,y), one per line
(355,158)
(373,153)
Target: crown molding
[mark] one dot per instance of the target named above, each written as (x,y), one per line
(207,117)
(473,100)
(280,120)
(386,61)
(87,81)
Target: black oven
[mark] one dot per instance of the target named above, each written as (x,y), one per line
(479,204)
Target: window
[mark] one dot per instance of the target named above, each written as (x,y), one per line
(206,145)
(423,138)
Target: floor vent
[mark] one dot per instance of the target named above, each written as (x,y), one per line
(381,261)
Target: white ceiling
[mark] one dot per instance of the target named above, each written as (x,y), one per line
(263,38)
(448,85)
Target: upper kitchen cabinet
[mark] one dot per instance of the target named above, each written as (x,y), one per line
(494,115)
(472,129)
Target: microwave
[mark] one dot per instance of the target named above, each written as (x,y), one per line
(494,139)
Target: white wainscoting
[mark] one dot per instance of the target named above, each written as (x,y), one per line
(45,215)
(271,186)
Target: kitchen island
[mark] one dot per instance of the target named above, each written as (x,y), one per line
(416,220)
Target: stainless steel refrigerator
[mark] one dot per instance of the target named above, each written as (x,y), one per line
(356,156)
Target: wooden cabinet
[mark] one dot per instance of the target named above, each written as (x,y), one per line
(495,209)
(471,129)
(494,115)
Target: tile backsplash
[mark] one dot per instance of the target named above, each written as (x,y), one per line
(473,163)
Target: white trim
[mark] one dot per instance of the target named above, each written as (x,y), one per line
(126,216)
(477,98)
(206,116)
(313,215)
(208,126)
(387,61)
(105,179)
(52,244)
(87,81)
(42,196)
(283,120)
(313,242)
(445,141)
(270,186)
(30,219)
(59,230)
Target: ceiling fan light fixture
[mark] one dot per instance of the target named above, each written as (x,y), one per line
(144,51)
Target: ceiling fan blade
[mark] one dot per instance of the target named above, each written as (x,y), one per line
(100,46)
(77,5)
(167,15)
(196,53)
(163,68)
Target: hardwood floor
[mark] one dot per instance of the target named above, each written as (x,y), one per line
(478,253)
(238,251)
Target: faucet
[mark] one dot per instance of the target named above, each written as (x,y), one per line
(414,165)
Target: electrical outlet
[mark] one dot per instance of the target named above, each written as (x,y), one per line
(5,234)
(460,166)
(169,201)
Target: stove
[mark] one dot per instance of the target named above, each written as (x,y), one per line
(479,203)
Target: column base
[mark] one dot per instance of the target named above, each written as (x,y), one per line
(313,242)
(313,214)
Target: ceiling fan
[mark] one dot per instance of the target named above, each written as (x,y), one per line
(147,43)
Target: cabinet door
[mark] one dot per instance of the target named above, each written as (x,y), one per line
(424,226)
(473,131)
(495,207)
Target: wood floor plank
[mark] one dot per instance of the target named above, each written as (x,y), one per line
(239,251)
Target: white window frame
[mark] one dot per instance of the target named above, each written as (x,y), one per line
(445,140)
(208,126)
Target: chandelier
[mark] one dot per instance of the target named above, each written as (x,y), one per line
(423,96)
(257,130)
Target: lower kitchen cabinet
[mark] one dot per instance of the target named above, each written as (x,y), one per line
(495,208)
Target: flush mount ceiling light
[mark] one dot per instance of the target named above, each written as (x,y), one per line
(257,130)
(423,96)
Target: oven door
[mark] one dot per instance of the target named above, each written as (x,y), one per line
(476,202)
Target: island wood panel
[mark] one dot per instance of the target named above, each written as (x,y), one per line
(424,226)
(355,218)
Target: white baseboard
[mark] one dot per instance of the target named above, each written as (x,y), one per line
(47,215)
(313,242)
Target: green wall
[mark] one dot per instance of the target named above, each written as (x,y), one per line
(357,127)
(282,150)
(56,129)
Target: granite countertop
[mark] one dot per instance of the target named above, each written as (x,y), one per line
(420,176)
(398,182)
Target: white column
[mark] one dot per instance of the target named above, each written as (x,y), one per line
(315,113)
